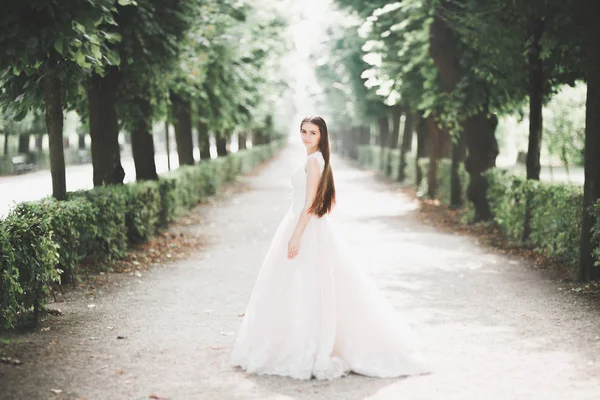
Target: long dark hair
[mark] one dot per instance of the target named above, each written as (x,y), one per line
(325,197)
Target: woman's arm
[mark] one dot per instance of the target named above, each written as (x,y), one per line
(313,175)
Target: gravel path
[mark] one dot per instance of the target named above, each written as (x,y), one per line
(493,327)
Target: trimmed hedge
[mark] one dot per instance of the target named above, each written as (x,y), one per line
(596,232)
(370,157)
(555,212)
(444,188)
(48,241)
(556,208)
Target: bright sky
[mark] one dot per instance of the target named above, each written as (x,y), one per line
(312,19)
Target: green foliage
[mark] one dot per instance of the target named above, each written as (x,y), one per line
(444,183)
(28,258)
(371,157)
(105,239)
(555,217)
(507,195)
(43,239)
(596,233)
(230,64)
(143,209)
(564,125)
(445,187)
(59,38)
(68,221)
(556,221)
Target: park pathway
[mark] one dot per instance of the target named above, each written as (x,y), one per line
(492,327)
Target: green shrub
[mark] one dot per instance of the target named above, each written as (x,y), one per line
(596,232)
(445,181)
(28,259)
(105,239)
(143,209)
(67,220)
(507,195)
(556,220)
(168,199)
(555,212)
(6,167)
(370,157)
(365,156)
(43,239)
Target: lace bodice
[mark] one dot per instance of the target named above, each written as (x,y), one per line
(299,182)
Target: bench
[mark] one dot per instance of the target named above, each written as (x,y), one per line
(21,164)
(84,156)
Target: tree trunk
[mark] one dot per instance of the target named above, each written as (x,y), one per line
(384,131)
(5,144)
(456,187)
(182,122)
(478,130)
(23,144)
(591,186)
(394,135)
(242,141)
(257,138)
(407,135)
(482,150)
(39,140)
(364,136)
(54,124)
(104,128)
(142,143)
(536,99)
(421,149)
(536,121)
(81,144)
(435,144)
(204,140)
(221,139)
(354,140)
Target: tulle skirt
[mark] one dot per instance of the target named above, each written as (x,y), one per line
(319,316)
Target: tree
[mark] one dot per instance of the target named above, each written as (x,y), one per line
(590,30)
(524,49)
(61,41)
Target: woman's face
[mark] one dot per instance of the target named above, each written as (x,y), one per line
(310,136)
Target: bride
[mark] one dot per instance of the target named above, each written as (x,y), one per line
(312,312)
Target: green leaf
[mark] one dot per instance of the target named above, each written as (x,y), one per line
(113,58)
(32,42)
(96,51)
(59,46)
(81,61)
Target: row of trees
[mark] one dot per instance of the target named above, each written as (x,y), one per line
(454,67)
(123,65)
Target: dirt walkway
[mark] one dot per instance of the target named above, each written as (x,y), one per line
(492,327)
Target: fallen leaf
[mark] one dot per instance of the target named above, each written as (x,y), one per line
(56,391)
(157,397)
(9,360)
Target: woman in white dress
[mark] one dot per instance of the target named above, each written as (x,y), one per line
(312,313)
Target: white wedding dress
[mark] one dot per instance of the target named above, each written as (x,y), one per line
(317,315)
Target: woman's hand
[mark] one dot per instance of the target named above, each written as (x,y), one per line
(293,247)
